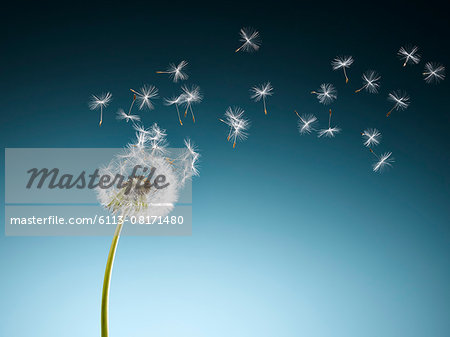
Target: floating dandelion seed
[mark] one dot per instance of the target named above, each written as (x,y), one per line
(153,138)
(141,129)
(331,131)
(371,82)
(142,137)
(326,94)
(433,72)
(400,99)
(157,139)
(132,103)
(250,39)
(101,102)
(175,100)
(371,137)
(176,72)
(234,118)
(121,114)
(191,95)
(342,62)
(261,92)
(409,54)
(135,195)
(144,96)
(383,161)
(189,161)
(306,123)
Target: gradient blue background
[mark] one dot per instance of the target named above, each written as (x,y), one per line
(292,236)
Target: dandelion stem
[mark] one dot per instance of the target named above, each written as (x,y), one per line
(239,48)
(264,102)
(329,120)
(345,74)
(107,278)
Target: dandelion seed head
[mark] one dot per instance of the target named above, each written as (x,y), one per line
(434,72)
(100,101)
(142,199)
(176,72)
(251,40)
(189,157)
(409,54)
(122,115)
(191,94)
(326,94)
(400,99)
(342,62)
(306,123)
(173,100)
(371,81)
(260,92)
(371,137)
(145,96)
(239,125)
(383,162)
(140,128)
(330,132)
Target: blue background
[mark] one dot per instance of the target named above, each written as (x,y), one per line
(292,235)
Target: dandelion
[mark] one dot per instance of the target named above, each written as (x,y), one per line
(383,161)
(250,39)
(259,93)
(306,123)
(331,131)
(101,102)
(191,95)
(342,62)
(326,94)
(371,137)
(135,195)
(175,100)
(433,72)
(234,118)
(400,99)
(144,96)
(409,54)
(176,72)
(121,114)
(371,82)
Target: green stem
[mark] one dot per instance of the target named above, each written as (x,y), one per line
(107,279)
